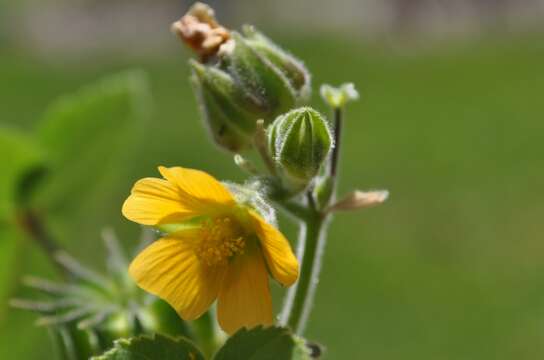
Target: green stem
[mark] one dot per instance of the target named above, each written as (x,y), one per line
(311,244)
(300,297)
(294,209)
(32,224)
(337,139)
(206,333)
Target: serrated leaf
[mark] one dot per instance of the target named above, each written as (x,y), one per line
(261,343)
(19,155)
(147,347)
(90,133)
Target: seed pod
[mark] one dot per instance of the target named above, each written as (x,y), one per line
(299,142)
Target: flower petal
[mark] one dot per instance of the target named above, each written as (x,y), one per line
(244,298)
(169,269)
(198,187)
(154,201)
(280,259)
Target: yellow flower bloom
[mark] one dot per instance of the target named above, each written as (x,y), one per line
(217,249)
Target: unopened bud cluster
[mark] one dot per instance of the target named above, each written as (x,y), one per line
(239,78)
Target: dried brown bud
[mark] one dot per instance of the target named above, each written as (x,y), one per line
(360,200)
(200,31)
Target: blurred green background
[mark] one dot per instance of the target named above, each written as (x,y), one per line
(451,267)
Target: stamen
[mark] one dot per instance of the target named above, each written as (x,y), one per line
(220,239)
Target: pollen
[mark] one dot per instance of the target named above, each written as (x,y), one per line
(220,239)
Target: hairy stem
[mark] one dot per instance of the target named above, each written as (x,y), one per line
(299,300)
(311,244)
(337,138)
(294,209)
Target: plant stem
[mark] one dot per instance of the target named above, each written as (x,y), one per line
(293,208)
(311,244)
(299,300)
(31,223)
(337,137)
(205,332)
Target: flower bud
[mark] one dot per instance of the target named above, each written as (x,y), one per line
(291,67)
(360,200)
(225,108)
(239,79)
(299,142)
(338,97)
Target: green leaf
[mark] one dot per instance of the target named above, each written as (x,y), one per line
(261,343)
(147,347)
(90,133)
(19,155)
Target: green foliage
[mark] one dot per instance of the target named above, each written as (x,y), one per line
(87,312)
(19,154)
(264,343)
(451,272)
(152,347)
(93,130)
(70,343)
(89,132)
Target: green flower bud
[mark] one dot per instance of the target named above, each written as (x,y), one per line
(225,107)
(299,142)
(239,78)
(292,68)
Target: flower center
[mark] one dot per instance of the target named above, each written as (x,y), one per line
(220,239)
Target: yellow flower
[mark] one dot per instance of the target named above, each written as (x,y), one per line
(217,248)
